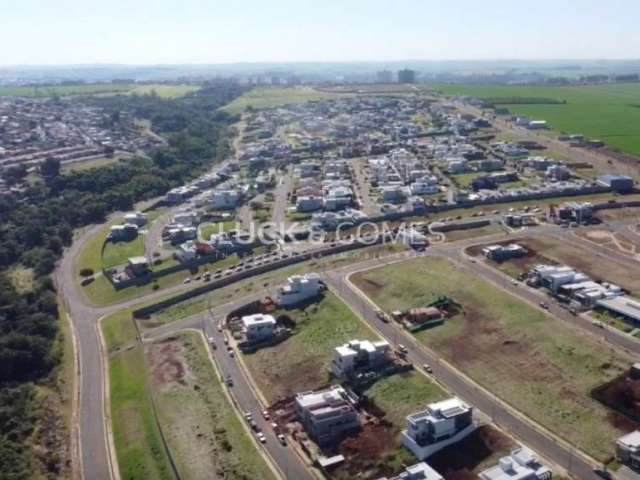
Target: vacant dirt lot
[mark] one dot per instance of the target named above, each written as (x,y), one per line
(535,362)
(552,251)
(466,459)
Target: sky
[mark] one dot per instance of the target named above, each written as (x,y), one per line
(50,32)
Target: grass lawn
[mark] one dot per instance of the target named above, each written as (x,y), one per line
(117,253)
(405,393)
(463,180)
(118,330)
(538,364)
(456,235)
(268,97)
(89,164)
(205,436)
(165,91)
(91,255)
(136,434)
(606,112)
(211,228)
(266,282)
(302,361)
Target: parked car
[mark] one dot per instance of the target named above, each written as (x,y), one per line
(427,368)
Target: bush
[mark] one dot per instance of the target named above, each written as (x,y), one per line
(155,286)
(86,272)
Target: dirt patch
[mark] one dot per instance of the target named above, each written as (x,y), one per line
(464,459)
(364,450)
(371,287)
(598,236)
(167,364)
(622,395)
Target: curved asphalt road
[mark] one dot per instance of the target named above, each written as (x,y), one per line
(93,440)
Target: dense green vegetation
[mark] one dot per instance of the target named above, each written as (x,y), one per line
(606,112)
(35,228)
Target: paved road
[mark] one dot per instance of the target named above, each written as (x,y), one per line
(93,440)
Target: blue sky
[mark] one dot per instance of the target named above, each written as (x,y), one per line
(199,31)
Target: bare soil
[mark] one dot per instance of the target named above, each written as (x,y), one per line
(623,396)
(167,364)
(465,459)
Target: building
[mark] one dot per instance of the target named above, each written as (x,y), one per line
(522,464)
(440,425)
(258,327)
(138,266)
(419,471)
(359,356)
(136,218)
(300,288)
(628,450)
(537,125)
(384,76)
(617,183)
(309,203)
(327,414)
(225,199)
(128,231)
(406,76)
(500,253)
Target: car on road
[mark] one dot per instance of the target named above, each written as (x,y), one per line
(265,415)
(402,349)
(254,426)
(514,282)
(427,368)
(229,381)
(544,305)
(248,416)
(261,437)
(282,440)
(597,323)
(187,280)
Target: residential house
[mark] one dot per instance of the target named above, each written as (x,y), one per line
(300,288)
(522,464)
(440,425)
(327,414)
(258,327)
(359,356)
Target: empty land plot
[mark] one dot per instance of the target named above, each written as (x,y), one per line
(260,98)
(205,436)
(117,253)
(135,432)
(607,112)
(538,364)
(597,267)
(377,449)
(302,361)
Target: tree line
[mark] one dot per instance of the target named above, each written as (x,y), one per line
(35,228)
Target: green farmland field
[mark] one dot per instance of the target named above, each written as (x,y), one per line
(607,112)
(274,97)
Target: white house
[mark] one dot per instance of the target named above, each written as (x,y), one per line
(419,471)
(137,218)
(258,327)
(225,199)
(299,288)
(309,203)
(359,355)
(440,425)
(522,464)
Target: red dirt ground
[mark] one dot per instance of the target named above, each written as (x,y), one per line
(166,364)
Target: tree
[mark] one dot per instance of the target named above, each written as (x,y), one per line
(50,168)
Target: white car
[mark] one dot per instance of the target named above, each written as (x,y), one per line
(261,437)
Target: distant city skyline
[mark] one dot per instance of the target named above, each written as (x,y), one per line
(151,32)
